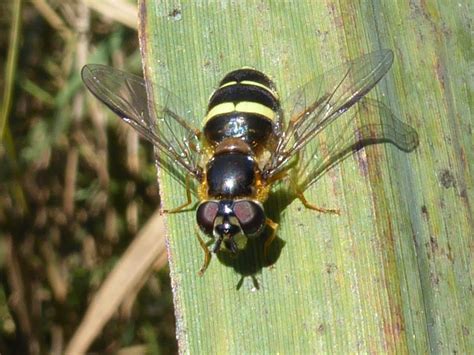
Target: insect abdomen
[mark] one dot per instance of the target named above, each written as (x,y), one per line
(244,106)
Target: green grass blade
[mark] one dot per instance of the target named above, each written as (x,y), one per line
(10,65)
(391,274)
(9,75)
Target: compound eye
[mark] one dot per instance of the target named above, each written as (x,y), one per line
(251,217)
(206,214)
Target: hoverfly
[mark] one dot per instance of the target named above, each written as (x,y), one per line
(247,143)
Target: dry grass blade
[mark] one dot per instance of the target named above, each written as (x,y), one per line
(52,17)
(70,199)
(140,257)
(118,10)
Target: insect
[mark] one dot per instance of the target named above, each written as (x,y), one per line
(247,143)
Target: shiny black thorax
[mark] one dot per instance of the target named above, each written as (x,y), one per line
(231,175)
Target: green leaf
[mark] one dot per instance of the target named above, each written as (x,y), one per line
(391,274)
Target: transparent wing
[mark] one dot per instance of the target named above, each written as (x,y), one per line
(168,130)
(321,101)
(370,122)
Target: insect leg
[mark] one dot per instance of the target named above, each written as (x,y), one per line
(279,176)
(271,238)
(295,175)
(207,254)
(313,207)
(189,199)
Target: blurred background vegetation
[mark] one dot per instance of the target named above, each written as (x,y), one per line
(75,185)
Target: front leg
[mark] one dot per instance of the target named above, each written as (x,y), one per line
(207,255)
(271,238)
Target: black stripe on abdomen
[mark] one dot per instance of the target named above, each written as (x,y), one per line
(248,74)
(239,92)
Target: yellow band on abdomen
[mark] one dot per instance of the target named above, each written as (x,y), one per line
(253,107)
(254,83)
(244,106)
